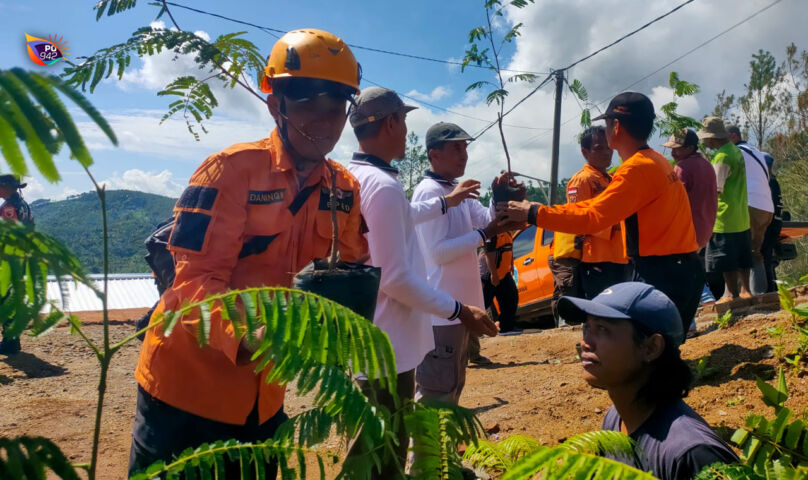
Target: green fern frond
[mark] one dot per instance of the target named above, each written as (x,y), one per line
(112,7)
(80,101)
(30,458)
(196,100)
(561,463)
(302,329)
(32,113)
(208,461)
(436,430)
(27,257)
(723,471)
(601,442)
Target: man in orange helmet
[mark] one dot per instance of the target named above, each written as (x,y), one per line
(252,215)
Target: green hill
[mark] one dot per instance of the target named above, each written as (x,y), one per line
(76,221)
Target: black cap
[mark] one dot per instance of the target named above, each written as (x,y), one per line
(445,132)
(631,106)
(11,181)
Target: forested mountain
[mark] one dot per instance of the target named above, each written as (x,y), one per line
(76,221)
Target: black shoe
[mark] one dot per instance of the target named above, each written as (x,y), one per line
(481,360)
(9,346)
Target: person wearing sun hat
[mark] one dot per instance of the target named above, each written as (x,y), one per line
(630,348)
(730,250)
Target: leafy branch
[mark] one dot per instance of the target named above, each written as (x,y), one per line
(489,57)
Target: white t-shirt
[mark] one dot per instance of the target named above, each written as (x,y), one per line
(405,299)
(450,245)
(757,178)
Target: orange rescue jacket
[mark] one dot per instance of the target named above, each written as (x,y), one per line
(606,245)
(647,195)
(244,221)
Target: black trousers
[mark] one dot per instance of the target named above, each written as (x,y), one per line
(597,277)
(507,297)
(161,432)
(680,277)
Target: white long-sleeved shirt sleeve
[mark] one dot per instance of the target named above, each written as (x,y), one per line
(437,246)
(481,215)
(386,240)
(428,209)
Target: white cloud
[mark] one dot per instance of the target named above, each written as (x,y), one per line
(140,131)
(438,93)
(685,106)
(160,183)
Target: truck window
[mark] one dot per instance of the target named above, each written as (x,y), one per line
(546,237)
(523,243)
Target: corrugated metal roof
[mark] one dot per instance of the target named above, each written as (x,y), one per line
(126,290)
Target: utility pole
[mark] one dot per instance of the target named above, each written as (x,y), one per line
(556,134)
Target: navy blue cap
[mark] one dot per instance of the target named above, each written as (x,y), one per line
(641,304)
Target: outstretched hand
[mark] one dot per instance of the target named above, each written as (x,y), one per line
(463,190)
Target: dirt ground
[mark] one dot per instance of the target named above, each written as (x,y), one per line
(533,388)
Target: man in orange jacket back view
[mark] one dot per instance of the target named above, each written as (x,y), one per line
(252,215)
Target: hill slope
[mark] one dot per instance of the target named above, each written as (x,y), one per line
(132,216)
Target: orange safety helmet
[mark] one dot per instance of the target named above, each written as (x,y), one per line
(311,53)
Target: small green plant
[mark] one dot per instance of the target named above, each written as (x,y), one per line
(775,332)
(702,368)
(725,320)
(739,400)
(798,358)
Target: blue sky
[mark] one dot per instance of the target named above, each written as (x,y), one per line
(160,158)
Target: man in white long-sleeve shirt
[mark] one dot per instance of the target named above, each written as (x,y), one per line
(450,243)
(405,300)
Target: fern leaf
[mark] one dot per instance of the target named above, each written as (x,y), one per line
(33,457)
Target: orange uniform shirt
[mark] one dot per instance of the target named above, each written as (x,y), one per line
(243,221)
(647,195)
(606,245)
(504,257)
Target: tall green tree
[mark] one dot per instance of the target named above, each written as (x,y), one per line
(413,165)
(761,104)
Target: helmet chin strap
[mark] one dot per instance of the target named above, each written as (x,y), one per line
(283,128)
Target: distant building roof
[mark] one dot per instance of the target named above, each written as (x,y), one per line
(126,290)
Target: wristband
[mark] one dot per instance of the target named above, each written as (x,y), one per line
(456,313)
(533,213)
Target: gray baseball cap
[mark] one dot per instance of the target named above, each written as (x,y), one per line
(375,103)
(639,303)
(445,132)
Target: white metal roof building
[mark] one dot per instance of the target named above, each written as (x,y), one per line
(126,290)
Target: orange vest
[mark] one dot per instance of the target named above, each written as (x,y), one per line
(243,221)
(644,193)
(606,245)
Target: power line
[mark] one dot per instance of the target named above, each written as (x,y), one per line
(450,111)
(561,71)
(275,31)
(697,47)
(543,83)
(628,35)
(692,50)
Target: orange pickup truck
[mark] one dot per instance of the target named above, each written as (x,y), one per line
(532,246)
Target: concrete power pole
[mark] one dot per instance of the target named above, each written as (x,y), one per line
(556,134)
